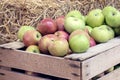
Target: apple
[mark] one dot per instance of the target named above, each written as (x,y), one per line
(33,48)
(31,37)
(22,30)
(79,43)
(60,23)
(117,31)
(102,33)
(47,26)
(73,23)
(75,13)
(62,34)
(88,29)
(59,47)
(108,9)
(45,41)
(92,42)
(79,32)
(113,18)
(95,18)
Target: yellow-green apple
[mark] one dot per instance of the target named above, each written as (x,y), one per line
(33,48)
(95,18)
(79,32)
(31,37)
(47,26)
(113,18)
(73,23)
(62,34)
(59,47)
(79,43)
(22,30)
(60,23)
(108,9)
(92,42)
(45,41)
(102,33)
(75,13)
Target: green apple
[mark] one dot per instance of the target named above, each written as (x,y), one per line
(89,29)
(117,31)
(33,48)
(113,18)
(95,18)
(59,47)
(75,13)
(22,30)
(79,43)
(108,9)
(102,33)
(73,23)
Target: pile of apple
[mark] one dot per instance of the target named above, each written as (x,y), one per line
(72,33)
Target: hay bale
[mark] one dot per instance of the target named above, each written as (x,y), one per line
(15,13)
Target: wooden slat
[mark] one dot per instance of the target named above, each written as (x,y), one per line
(98,64)
(40,63)
(9,75)
(115,75)
(13,45)
(95,50)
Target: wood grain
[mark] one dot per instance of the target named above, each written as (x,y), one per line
(115,75)
(100,63)
(9,75)
(40,63)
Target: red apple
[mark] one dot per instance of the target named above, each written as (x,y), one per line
(92,42)
(31,37)
(62,34)
(59,47)
(45,41)
(60,23)
(47,26)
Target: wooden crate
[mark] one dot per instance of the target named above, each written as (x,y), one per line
(83,66)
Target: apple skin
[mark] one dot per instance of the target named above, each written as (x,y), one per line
(60,23)
(92,42)
(62,34)
(73,23)
(59,47)
(117,31)
(47,26)
(79,32)
(95,18)
(89,29)
(75,13)
(33,48)
(102,33)
(79,43)
(31,37)
(22,30)
(108,9)
(45,41)
(113,18)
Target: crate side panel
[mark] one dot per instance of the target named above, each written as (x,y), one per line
(40,63)
(113,75)
(9,75)
(99,63)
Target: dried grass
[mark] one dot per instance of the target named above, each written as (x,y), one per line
(15,13)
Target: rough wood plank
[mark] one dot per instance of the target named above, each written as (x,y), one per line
(13,45)
(115,75)
(9,75)
(95,50)
(40,63)
(97,64)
